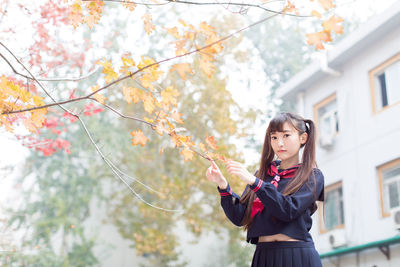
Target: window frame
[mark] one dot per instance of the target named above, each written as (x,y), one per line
(327,100)
(321,222)
(372,73)
(380,170)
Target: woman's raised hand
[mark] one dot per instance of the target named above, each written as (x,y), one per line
(214,175)
(237,168)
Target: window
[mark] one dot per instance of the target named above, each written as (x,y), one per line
(334,211)
(385,84)
(389,183)
(327,121)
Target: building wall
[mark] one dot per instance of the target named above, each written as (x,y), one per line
(365,141)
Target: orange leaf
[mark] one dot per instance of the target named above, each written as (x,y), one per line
(215,48)
(187,154)
(182,69)
(148,23)
(207,67)
(180,49)
(138,138)
(331,24)
(177,117)
(317,39)
(211,142)
(326,4)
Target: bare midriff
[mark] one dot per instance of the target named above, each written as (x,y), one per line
(277,237)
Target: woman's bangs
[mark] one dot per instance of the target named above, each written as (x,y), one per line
(276,124)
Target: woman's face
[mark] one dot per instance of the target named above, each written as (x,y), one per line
(286,144)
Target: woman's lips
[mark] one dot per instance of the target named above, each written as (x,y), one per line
(281,150)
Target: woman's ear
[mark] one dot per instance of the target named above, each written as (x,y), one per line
(303,138)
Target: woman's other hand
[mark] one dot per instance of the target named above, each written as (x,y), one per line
(236,168)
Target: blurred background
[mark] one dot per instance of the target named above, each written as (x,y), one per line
(61,205)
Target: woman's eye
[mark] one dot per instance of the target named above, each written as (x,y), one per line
(273,137)
(287,135)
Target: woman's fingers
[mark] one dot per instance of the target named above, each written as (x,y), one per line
(214,165)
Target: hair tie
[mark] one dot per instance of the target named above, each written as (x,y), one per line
(305,125)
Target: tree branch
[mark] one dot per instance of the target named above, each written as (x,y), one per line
(206,3)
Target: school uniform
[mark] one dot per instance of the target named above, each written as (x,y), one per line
(275,213)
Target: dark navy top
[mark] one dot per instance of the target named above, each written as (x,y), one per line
(292,213)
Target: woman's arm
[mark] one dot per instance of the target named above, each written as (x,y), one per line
(288,208)
(231,205)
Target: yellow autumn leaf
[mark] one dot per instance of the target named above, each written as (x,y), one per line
(128,65)
(160,128)
(148,102)
(180,47)
(148,119)
(173,31)
(108,70)
(75,15)
(207,67)
(182,69)
(168,96)
(99,97)
(38,100)
(132,94)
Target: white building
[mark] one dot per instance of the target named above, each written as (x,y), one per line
(353,95)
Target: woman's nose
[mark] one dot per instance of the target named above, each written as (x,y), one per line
(280,142)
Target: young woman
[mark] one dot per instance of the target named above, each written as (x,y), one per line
(279,199)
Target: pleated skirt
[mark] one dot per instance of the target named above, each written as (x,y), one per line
(286,254)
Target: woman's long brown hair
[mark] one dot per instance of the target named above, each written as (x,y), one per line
(267,156)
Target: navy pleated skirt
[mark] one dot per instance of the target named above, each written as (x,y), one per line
(286,254)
